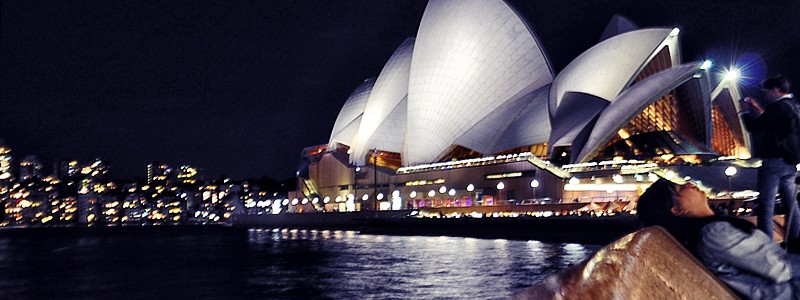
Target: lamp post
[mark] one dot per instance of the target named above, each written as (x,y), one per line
(355,186)
(500,187)
(375,178)
(730,172)
(471,188)
(534,185)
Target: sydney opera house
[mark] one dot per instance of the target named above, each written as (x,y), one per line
(471,113)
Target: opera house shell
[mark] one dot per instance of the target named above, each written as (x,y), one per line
(474,95)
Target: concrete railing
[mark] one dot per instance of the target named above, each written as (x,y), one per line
(646,264)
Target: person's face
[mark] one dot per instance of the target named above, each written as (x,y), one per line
(690,201)
(772,94)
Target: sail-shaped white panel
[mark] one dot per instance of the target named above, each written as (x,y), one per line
(725,97)
(632,102)
(470,57)
(348,132)
(611,66)
(518,123)
(530,127)
(390,88)
(389,135)
(351,111)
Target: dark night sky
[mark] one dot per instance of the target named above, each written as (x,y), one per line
(241,87)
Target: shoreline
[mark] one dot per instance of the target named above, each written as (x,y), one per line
(565,229)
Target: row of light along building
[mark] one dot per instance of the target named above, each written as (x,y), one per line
(471,113)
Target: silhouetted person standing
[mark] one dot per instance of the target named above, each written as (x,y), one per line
(776,175)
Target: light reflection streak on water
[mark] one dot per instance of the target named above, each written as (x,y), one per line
(204,263)
(342,264)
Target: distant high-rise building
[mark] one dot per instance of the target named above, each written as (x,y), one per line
(88,208)
(188,174)
(64,169)
(30,167)
(5,161)
(72,168)
(95,170)
(158,172)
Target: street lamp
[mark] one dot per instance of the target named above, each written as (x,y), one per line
(574,180)
(375,178)
(471,188)
(355,182)
(500,187)
(534,185)
(730,172)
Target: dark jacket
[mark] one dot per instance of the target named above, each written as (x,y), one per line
(747,261)
(769,128)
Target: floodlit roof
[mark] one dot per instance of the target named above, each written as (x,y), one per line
(470,58)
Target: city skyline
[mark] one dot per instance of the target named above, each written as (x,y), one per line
(241,89)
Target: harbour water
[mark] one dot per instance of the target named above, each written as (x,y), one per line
(196,263)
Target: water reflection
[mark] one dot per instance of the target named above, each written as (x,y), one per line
(345,264)
(272,264)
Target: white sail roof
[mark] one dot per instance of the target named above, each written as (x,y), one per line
(610,66)
(346,125)
(390,89)
(470,57)
(632,102)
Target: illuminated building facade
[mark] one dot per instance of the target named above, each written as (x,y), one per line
(188,174)
(5,167)
(30,167)
(88,208)
(472,101)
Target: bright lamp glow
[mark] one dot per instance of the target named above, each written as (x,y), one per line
(413,194)
(732,75)
(534,183)
(442,189)
(452,192)
(470,188)
(431,193)
(574,180)
(730,171)
(501,185)
(706,65)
